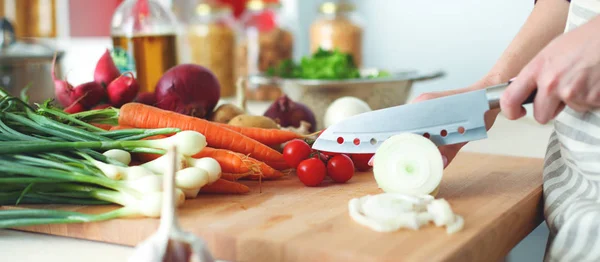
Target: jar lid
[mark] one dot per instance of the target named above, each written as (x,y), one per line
(12,50)
(209,7)
(257,5)
(332,7)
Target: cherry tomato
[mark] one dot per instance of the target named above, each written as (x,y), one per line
(321,156)
(361,161)
(340,168)
(311,172)
(295,151)
(330,154)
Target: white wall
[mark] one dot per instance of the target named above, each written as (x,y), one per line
(461,37)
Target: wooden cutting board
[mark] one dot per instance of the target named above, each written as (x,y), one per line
(498,196)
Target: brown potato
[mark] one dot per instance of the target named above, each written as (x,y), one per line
(254,121)
(225,112)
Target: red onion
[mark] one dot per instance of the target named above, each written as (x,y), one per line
(74,108)
(188,89)
(289,113)
(106,71)
(122,90)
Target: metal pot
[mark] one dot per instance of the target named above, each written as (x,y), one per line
(26,63)
(378,93)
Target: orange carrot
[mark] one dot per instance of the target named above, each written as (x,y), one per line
(236,163)
(234,177)
(278,165)
(264,135)
(145,116)
(223,186)
(103,126)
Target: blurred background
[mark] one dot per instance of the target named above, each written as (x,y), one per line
(463,38)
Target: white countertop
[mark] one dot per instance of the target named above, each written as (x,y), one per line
(518,138)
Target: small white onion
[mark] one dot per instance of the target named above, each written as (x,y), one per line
(210,165)
(191,178)
(344,107)
(187,142)
(119,155)
(147,184)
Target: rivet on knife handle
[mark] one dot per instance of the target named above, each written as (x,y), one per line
(493,94)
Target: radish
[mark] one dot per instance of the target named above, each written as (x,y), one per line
(76,107)
(147,98)
(89,94)
(62,88)
(122,90)
(106,71)
(409,164)
(101,106)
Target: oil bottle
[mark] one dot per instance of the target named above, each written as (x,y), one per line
(146,31)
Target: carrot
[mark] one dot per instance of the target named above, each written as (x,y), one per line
(278,165)
(236,163)
(235,177)
(103,126)
(264,135)
(145,116)
(223,186)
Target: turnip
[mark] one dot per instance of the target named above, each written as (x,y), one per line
(106,71)
(408,163)
(122,90)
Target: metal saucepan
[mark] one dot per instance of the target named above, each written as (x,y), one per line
(26,63)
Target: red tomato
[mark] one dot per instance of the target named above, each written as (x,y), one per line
(330,154)
(361,161)
(340,168)
(295,151)
(311,172)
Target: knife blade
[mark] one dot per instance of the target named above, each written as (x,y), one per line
(446,120)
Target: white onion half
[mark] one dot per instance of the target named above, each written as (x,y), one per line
(408,163)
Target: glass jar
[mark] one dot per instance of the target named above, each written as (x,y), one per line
(211,36)
(31,18)
(264,41)
(338,26)
(147,32)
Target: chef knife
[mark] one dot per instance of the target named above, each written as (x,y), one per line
(446,120)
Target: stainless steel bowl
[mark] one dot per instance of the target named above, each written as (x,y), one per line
(379,93)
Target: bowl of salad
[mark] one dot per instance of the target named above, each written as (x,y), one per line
(327,75)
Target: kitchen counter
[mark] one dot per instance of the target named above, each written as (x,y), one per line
(516,138)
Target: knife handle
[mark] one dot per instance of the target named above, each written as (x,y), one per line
(493,94)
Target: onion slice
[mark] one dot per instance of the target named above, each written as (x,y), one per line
(388,212)
(408,163)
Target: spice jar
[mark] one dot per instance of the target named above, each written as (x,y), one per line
(338,26)
(147,31)
(211,37)
(264,41)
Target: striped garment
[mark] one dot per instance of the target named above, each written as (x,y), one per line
(572,172)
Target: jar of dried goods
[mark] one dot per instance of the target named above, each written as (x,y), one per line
(211,37)
(338,26)
(264,41)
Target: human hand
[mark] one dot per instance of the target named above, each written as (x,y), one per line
(565,72)
(449,151)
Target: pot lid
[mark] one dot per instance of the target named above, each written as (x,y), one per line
(12,50)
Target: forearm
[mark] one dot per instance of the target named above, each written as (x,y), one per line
(546,21)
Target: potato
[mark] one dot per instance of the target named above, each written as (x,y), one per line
(254,121)
(225,112)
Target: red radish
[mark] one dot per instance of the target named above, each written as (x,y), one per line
(188,89)
(88,94)
(74,108)
(101,106)
(147,98)
(122,90)
(106,71)
(62,88)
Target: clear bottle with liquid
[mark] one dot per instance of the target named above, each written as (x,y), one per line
(147,31)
